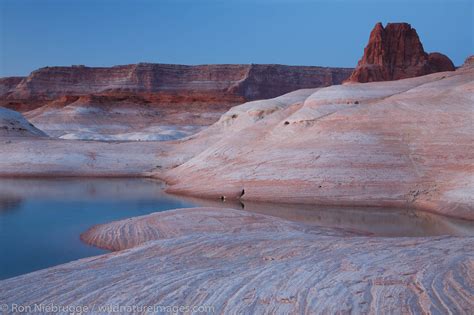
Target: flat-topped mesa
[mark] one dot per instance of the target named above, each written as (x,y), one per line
(222,83)
(395,52)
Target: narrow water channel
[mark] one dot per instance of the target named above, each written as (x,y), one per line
(41,219)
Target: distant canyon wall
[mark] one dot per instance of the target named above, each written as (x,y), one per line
(166,82)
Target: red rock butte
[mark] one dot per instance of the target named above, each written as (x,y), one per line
(395,52)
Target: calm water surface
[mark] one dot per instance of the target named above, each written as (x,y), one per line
(41,219)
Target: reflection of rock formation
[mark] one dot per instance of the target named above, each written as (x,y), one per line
(395,52)
(374,221)
(131,232)
(9,203)
(82,188)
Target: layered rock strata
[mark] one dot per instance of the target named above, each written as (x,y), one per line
(48,157)
(237,262)
(174,83)
(395,52)
(128,102)
(405,143)
(9,83)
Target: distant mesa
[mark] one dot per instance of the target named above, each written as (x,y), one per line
(129,101)
(395,52)
(166,83)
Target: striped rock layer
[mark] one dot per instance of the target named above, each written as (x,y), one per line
(237,262)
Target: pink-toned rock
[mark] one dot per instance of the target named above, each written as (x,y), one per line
(468,63)
(405,143)
(235,262)
(123,102)
(13,124)
(238,82)
(395,52)
(135,231)
(9,83)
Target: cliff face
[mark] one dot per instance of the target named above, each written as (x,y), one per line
(231,82)
(395,52)
(268,81)
(9,83)
(129,100)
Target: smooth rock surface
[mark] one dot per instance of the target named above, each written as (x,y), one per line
(13,124)
(405,143)
(236,262)
(46,157)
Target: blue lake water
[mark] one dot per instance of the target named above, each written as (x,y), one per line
(41,219)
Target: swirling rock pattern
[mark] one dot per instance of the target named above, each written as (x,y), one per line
(249,263)
(129,233)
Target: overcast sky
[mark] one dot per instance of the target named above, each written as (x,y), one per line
(38,33)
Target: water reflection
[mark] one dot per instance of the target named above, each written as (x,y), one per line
(9,203)
(374,221)
(80,188)
(41,219)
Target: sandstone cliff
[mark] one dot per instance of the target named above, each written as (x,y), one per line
(9,83)
(395,52)
(404,143)
(124,102)
(227,82)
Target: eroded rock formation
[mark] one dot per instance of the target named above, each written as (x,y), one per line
(468,63)
(124,102)
(13,124)
(239,262)
(9,83)
(398,143)
(395,52)
(206,83)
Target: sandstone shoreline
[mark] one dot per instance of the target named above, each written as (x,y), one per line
(236,261)
(402,143)
(405,143)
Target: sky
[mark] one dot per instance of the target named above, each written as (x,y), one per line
(39,33)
